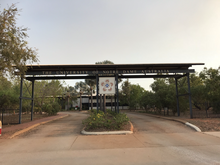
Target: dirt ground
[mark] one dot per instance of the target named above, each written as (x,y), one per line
(206,124)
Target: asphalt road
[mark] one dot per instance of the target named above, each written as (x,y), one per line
(155,141)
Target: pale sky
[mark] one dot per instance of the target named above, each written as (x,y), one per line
(122,31)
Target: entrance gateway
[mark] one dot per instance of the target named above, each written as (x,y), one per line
(102,72)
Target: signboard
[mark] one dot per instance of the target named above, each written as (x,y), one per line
(107,72)
(107,85)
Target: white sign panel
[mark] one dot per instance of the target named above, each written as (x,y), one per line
(107,85)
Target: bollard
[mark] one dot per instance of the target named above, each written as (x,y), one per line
(0,128)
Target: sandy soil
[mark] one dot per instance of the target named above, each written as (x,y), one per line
(206,124)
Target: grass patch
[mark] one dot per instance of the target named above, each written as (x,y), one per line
(108,121)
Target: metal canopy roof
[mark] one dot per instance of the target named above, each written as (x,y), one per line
(123,70)
(91,67)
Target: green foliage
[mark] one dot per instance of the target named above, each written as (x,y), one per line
(70,95)
(51,108)
(14,48)
(109,120)
(105,62)
(9,94)
(92,84)
(148,100)
(136,93)
(131,94)
(211,80)
(45,91)
(82,86)
(124,94)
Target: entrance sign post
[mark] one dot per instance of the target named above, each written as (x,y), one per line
(107,85)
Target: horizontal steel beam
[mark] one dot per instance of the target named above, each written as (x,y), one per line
(107,71)
(180,76)
(26,98)
(93,77)
(146,76)
(59,77)
(186,94)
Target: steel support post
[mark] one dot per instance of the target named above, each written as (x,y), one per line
(115,102)
(104,103)
(111,103)
(97,92)
(80,101)
(91,99)
(177,97)
(115,96)
(117,92)
(190,101)
(101,104)
(32,101)
(21,95)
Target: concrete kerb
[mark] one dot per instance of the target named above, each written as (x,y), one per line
(109,132)
(33,126)
(178,120)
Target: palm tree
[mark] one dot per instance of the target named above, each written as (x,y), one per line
(91,83)
(82,87)
(70,94)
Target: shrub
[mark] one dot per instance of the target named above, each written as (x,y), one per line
(109,120)
(51,108)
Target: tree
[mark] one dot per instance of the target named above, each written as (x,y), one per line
(136,92)
(148,100)
(82,87)
(45,91)
(92,84)
(9,94)
(124,94)
(165,96)
(211,80)
(14,50)
(70,94)
(105,62)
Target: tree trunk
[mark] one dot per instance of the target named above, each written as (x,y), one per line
(67,103)
(104,103)
(111,103)
(80,101)
(115,103)
(91,100)
(101,102)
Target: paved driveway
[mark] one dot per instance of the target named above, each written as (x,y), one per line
(155,141)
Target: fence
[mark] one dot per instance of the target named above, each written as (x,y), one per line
(199,110)
(9,116)
(207,109)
